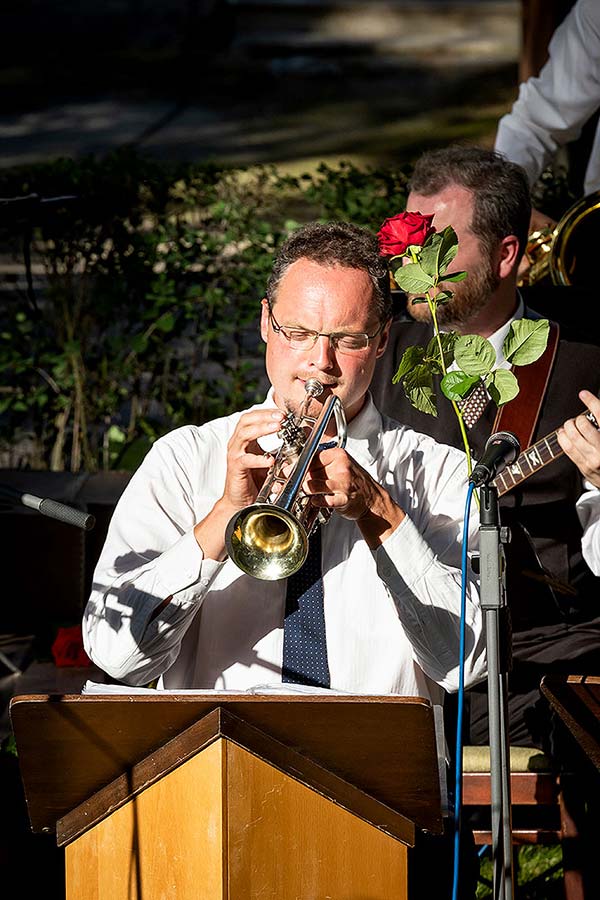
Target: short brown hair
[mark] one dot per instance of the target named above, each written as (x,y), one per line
(501,204)
(336,244)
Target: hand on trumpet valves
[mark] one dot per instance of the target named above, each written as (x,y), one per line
(338,482)
(247,464)
(247,467)
(580,439)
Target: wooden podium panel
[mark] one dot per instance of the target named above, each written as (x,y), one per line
(230,797)
(257,833)
(146,842)
(383,746)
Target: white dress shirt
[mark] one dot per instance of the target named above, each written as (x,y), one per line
(552,108)
(391,615)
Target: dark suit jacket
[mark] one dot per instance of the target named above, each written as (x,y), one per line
(550,626)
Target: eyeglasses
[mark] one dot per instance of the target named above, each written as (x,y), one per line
(304,339)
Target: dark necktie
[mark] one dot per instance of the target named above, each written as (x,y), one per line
(304,641)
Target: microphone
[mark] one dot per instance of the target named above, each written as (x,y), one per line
(47,507)
(500,451)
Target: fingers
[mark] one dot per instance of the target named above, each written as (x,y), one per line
(593,405)
(254,425)
(580,440)
(246,462)
(336,481)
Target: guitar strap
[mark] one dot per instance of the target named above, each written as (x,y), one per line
(521,415)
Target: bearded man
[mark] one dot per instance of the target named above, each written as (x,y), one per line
(554,555)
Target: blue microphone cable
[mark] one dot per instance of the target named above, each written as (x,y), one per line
(461,694)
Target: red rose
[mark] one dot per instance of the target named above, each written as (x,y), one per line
(67,648)
(402,231)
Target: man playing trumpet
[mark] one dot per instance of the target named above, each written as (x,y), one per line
(375,608)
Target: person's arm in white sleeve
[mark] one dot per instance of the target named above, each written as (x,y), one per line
(552,108)
(588,510)
(165,545)
(421,565)
(151,575)
(580,440)
(418,554)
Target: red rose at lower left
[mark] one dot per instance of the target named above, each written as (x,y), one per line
(67,648)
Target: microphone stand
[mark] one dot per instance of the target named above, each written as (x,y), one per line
(493,603)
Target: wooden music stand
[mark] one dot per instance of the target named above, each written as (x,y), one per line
(576,699)
(230,796)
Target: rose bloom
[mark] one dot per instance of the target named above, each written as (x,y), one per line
(402,231)
(67,648)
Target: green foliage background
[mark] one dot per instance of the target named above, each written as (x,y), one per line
(148,311)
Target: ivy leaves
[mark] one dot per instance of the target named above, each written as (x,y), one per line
(473,361)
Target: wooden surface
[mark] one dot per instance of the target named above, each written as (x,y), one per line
(526,788)
(72,747)
(538,789)
(225,825)
(296,845)
(165,843)
(216,724)
(576,699)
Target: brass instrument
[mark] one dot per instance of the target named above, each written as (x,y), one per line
(269,538)
(566,253)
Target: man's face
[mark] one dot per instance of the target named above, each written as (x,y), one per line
(454,206)
(328,300)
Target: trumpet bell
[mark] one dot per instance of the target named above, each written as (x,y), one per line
(266,542)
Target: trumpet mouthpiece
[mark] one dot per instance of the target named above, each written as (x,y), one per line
(313,387)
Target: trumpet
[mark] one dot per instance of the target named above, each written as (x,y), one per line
(269,538)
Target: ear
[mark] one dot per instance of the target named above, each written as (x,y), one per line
(383,339)
(264,320)
(508,258)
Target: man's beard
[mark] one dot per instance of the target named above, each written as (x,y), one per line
(469,298)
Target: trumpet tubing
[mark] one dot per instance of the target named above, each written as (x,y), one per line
(567,254)
(269,538)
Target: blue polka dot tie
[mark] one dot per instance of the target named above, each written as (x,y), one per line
(304,640)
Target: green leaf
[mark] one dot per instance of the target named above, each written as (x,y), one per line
(139,343)
(526,341)
(412,279)
(418,387)
(410,358)
(455,276)
(166,322)
(116,435)
(448,340)
(448,248)
(502,386)
(474,354)
(456,385)
(437,256)
(429,256)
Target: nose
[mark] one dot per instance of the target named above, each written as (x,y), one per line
(322,354)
